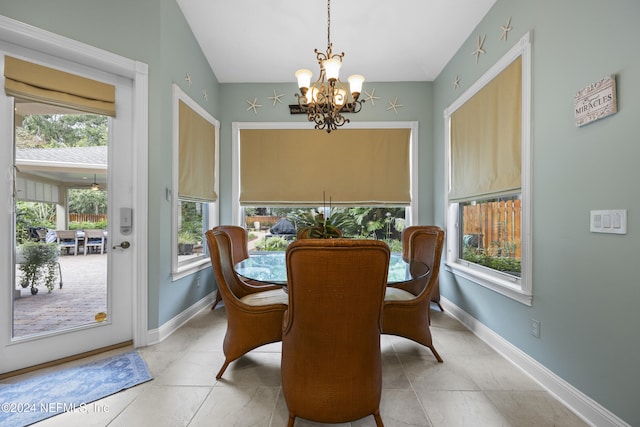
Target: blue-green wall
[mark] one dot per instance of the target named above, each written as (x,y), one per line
(585,289)
(585,285)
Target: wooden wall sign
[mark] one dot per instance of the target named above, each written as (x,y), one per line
(596,101)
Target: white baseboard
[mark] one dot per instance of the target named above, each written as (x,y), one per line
(155,336)
(582,405)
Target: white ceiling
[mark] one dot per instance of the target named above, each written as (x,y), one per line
(266,41)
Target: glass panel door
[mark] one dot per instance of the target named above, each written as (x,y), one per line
(61,198)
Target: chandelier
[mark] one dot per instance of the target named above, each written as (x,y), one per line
(325,100)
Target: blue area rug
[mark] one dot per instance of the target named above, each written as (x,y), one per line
(68,390)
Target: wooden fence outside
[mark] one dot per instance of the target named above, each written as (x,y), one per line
(76,217)
(494,226)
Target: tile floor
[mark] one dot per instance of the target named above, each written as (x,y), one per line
(473,387)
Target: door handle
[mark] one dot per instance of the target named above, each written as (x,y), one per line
(123,245)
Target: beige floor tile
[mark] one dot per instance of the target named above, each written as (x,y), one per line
(163,406)
(428,375)
(461,409)
(528,408)
(192,369)
(401,408)
(237,406)
(493,372)
(253,369)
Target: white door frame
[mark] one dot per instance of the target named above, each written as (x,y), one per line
(16,34)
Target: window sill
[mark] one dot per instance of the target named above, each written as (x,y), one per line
(502,285)
(190,268)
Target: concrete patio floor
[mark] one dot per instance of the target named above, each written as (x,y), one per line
(82,296)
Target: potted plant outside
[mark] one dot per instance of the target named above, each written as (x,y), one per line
(38,262)
(186,241)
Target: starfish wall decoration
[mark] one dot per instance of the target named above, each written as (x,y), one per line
(505,29)
(276,98)
(456,82)
(187,77)
(479,49)
(371,96)
(253,105)
(204,95)
(393,105)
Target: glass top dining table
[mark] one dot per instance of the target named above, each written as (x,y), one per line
(270,267)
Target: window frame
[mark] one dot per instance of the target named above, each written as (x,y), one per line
(238,211)
(180,269)
(519,289)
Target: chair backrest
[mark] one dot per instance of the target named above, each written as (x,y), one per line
(93,234)
(239,241)
(424,243)
(331,362)
(66,234)
(220,246)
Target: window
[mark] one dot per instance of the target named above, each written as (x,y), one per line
(322,166)
(273,228)
(195,183)
(488,201)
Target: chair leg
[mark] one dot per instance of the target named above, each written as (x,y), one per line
(376,416)
(224,367)
(435,353)
(292,420)
(440,306)
(218,299)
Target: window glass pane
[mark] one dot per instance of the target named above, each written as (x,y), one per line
(272,229)
(491,236)
(192,221)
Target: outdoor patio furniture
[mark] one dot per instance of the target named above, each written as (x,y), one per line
(94,239)
(67,239)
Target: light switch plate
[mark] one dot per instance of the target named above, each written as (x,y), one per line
(612,221)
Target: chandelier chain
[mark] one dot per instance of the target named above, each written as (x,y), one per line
(328,23)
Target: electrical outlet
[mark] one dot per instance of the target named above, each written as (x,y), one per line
(535,328)
(198,282)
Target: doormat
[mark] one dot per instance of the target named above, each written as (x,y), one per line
(34,399)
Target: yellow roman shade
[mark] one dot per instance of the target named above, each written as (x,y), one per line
(298,167)
(486,139)
(196,157)
(37,83)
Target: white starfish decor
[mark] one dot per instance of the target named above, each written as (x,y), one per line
(187,77)
(393,105)
(204,95)
(456,82)
(253,105)
(276,98)
(479,49)
(505,29)
(371,96)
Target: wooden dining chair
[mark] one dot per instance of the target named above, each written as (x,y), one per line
(406,306)
(254,314)
(239,249)
(422,250)
(331,362)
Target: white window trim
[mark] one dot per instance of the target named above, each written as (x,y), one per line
(238,212)
(195,264)
(519,289)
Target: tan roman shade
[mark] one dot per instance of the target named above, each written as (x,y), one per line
(197,144)
(486,139)
(295,167)
(37,83)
